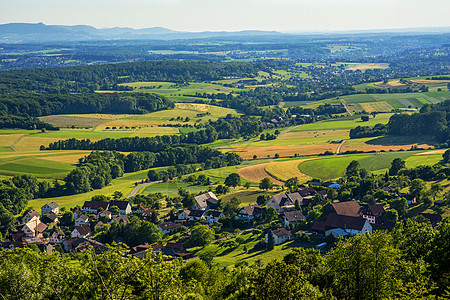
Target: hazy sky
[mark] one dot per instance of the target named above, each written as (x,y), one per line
(202,15)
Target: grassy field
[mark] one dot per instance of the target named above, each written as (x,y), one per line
(48,164)
(227,257)
(81,120)
(124,184)
(171,188)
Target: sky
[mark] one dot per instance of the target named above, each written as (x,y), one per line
(231,15)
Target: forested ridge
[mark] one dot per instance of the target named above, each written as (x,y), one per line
(88,79)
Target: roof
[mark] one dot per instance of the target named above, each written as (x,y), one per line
(83,229)
(340,231)
(318,226)
(203,199)
(435,219)
(196,213)
(104,212)
(280,232)
(349,208)
(33,213)
(169,225)
(345,222)
(213,213)
(82,243)
(252,210)
(376,210)
(293,216)
(84,217)
(286,199)
(122,218)
(122,205)
(51,205)
(95,205)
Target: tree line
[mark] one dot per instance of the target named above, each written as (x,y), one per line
(37,105)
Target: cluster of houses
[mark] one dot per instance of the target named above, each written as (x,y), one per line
(343,219)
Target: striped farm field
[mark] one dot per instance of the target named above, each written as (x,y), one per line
(381,106)
(287,169)
(257,173)
(80,120)
(7,139)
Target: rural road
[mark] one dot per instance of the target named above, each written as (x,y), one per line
(12,145)
(338,150)
(345,105)
(140,186)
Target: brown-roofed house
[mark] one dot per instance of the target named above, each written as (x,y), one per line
(434,219)
(350,224)
(280,236)
(168,227)
(92,207)
(373,213)
(205,201)
(80,231)
(284,202)
(349,208)
(292,217)
(250,212)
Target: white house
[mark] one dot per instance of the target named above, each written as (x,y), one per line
(280,236)
(284,202)
(29,215)
(351,225)
(106,213)
(33,227)
(57,237)
(292,217)
(82,220)
(168,227)
(196,214)
(81,231)
(249,213)
(213,216)
(124,206)
(50,207)
(205,201)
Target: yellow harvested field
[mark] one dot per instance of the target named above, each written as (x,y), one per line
(283,150)
(287,169)
(257,173)
(366,66)
(8,139)
(30,143)
(137,123)
(193,106)
(81,120)
(70,158)
(423,81)
(432,152)
(367,147)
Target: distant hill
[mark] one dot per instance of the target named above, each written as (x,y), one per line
(40,32)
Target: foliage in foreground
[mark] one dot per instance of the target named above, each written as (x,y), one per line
(367,266)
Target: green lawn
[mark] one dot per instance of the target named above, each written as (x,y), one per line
(327,168)
(334,124)
(35,166)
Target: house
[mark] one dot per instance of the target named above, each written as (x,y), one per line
(373,213)
(105,213)
(307,193)
(119,219)
(81,231)
(176,250)
(350,224)
(348,208)
(182,216)
(99,225)
(284,202)
(76,213)
(168,227)
(49,219)
(292,217)
(280,236)
(318,227)
(213,216)
(78,244)
(249,213)
(57,237)
(82,220)
(196,214)
(147,214)
(435,219)
(33,227)
(124,206)
(92,207)
(29,215)
(205,201)
(50,207)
